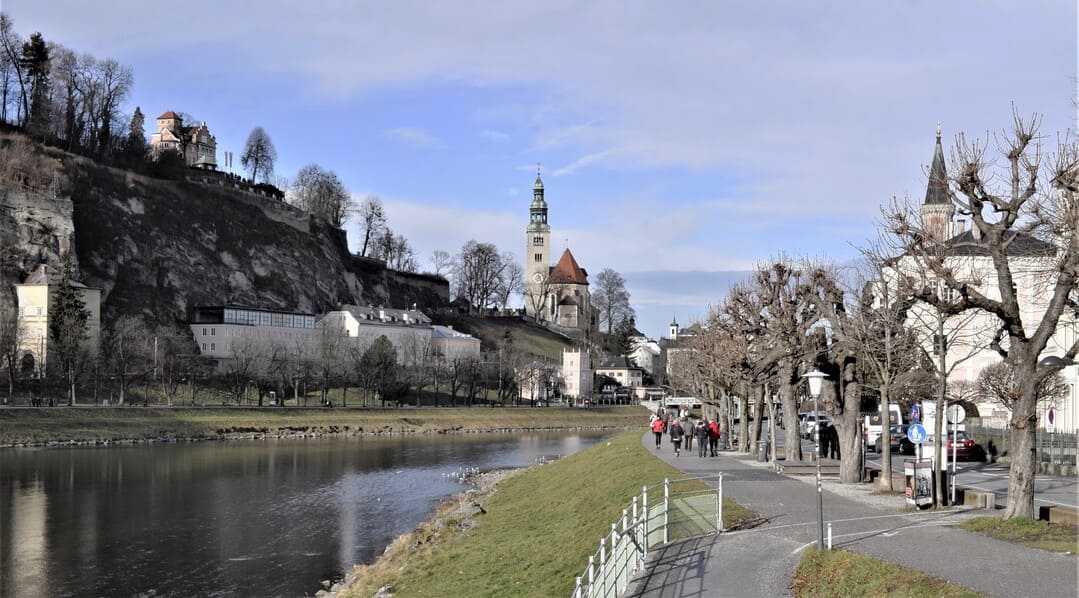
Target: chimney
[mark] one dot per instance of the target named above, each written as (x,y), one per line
(960,227)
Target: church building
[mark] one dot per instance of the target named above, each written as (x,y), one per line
(556,296)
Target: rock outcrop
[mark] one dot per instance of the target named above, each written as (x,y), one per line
(158,248)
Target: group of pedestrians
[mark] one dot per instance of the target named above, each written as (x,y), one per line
(682,428)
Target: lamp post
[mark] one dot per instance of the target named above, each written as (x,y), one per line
(815,378)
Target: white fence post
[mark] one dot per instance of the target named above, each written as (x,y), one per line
(644,499)
(666,508)
(719,505)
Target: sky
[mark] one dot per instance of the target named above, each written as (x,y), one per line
(681,144)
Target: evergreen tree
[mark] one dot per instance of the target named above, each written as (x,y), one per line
(35,63)
(380,364)
(135,145)
(68,323)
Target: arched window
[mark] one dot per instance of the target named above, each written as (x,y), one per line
(28,363)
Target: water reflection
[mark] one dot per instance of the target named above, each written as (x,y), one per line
(244,518)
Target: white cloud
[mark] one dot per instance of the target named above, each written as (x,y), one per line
(413,137)
(495,136)
(582,162)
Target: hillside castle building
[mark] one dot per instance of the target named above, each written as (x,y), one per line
(556,296)
(195,143)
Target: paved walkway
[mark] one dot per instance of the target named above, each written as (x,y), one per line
(761,561)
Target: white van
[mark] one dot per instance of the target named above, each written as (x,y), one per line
(808,423)
(874,424)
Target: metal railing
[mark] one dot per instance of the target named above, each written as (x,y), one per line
(1058,447)
(685,508)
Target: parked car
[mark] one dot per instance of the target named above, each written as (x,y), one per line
(809,423)
(965,447)
(896,435)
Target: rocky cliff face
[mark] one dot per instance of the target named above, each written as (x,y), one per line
(158,248)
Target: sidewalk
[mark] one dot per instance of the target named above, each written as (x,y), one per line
(761,561)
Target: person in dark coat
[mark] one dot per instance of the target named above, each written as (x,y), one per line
(677,434)
(691,431)
(702,437)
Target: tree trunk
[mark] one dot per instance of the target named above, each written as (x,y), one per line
(743,423)
(884,482)
(1023,449)
(792,444)
(758,417)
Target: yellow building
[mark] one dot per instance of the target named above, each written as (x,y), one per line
(35,297)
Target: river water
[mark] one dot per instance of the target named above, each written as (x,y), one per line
(244,518)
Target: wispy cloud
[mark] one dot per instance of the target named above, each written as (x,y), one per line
(414,137)
(582,162)
(495,136)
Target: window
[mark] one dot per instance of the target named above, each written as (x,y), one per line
(203,346)
(204,331)
(213,332)
(539,257)
(22,311)
(213,347)
(40,311)
(537,241)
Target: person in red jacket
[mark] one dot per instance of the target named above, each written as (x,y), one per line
(657,429)
(713,436)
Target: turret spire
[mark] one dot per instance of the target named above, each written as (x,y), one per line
(937,190)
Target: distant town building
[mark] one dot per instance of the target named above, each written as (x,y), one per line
(622,372)
(646,354)
(195,143)
(225,331)
(451,344)
(408,330)
(576,374)
(34,297)
(969,335)
(558,296)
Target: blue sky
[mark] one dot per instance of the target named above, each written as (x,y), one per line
(680,142)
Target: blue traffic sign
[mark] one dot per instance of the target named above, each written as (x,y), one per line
(916,433)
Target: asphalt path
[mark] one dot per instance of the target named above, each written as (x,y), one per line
(760,561)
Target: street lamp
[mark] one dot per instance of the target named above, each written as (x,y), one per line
(815,379)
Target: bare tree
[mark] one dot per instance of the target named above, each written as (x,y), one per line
(12,75)
(1010,202)
(479,273)
(372,219)
(999,384)
(129,350)
(10,340)
(320,192)
(611,299)
(512,280)
(395,250)
(442,262)
(259,155)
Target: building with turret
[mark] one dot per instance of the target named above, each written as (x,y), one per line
(195,143)
(556,296)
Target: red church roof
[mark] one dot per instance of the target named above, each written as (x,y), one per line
(169,114)
(566,271)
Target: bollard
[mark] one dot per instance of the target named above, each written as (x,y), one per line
(829,535)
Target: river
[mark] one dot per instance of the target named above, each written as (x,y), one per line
(241,518)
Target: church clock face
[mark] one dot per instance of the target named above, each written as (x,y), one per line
(537,277)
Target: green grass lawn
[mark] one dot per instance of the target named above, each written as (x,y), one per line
(842,573)
(538,530)
(91,424)
(1027,532)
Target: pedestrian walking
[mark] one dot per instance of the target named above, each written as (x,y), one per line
(702,437)
(657,429)
(677,433)
(691,431)
(713,437)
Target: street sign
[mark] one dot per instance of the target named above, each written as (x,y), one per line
(916,433)
(1050,417)
(915,414)
(956,414)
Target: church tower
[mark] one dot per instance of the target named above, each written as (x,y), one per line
(938,209)
(537,251)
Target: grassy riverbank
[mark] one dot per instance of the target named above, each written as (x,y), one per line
(535,533)
(58,425)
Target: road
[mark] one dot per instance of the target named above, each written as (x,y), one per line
(993,477)
(986,477)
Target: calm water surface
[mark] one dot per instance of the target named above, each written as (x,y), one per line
(249,518)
